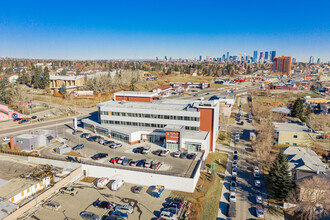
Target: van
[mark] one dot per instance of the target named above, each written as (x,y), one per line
(117,184)
(102,182)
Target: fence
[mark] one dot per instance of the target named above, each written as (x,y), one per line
(73,175)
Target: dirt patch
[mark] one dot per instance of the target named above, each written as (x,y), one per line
(11,169)
(88,179)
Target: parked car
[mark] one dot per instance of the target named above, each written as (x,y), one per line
(234,171)
(172,210)
(85,135)
(147,164)
(105,142)
(114,160)
(176,199)
(256,169)
(115,145)
(133,163)
(163,153)
(235,153)
(168,215)
(140,163)
(68,190)
(126,162)
(137,189)
(121,159)
(234,163)
(52,205)
(172,204)
(232,197)
(259,212)
(124,209)
(183,155)
(257,183)
(18,119)
(23,121)
(71,159)
(115,185)
(257,175)
(99,156)
(118,214)
(146,150)
(138,150)
(103,204)
(6,139)
(78,147)
(176,154)
(191,156)
(233,178)
(77,132)
(259,199)
(233,186)
(89,216)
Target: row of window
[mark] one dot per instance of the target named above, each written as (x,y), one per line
(140,115)
(140,124)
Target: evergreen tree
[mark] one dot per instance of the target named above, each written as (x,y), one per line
(297,108)
(132,85)
(45,78)
(279,176)
(62,90)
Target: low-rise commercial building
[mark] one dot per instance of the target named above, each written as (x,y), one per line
(31,141)
(174,124)
(294,134)
(71,82)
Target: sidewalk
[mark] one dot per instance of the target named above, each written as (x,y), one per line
(223,205)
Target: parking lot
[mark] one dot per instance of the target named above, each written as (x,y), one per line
(170,164)
(144,204)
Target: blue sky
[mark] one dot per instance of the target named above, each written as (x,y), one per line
(146,29)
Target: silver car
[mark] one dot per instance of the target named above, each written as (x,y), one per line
(124,209)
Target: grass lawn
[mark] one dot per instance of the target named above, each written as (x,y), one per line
(206,197)
(224,138)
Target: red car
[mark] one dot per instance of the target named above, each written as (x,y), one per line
(17,119)
(114,160)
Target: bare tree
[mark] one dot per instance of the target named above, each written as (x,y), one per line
(311,198)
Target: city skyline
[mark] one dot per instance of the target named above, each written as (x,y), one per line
(146,30)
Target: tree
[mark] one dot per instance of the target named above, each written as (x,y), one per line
(62,90)
(45,79)
(297,108)
(312,88)
(310,196)
(132,85)
(248,71)
(280,177)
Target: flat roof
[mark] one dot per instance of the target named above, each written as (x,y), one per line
(136,94)
(294,127)
(197,135)
(15,186)
(26,136)
(163,104)
(53,77)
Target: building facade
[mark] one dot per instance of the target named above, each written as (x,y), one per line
(282,65)
(70,82)
(174,124)
(31,141)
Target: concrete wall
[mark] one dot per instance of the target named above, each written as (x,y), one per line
(57,163)
(71,177)
(142,178)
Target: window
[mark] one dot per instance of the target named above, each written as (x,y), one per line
(287,143)
(295,136)
(294,144)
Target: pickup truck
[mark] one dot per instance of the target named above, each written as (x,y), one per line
(68,190)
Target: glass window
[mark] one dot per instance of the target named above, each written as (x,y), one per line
(295,136)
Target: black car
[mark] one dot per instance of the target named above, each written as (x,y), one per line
(70,159)
(155,165)
(33,117)
(191,156)
(138,150)
(23,121)
(103,204)
(126,162)
(140,163)
(157,152)
(78,147)
(99,156)
(184,155)
(137,189)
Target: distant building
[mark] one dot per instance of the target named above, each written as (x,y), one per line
(13,79)
(282,65)
(255,56)
(318,61)
(227,56)
(294,60)
(71,82)
(293,134)
(311,59)
(266,55)
(261,56)
(272,55)
(200,58)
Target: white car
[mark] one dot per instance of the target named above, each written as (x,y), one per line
(146,150)
(257,183)
(233,186)
(163,153)
(6,139)
(260,212)
(232,197)
(259,199)
(168,215)
(121,159)
(234,171)
(124,209)
(147,164)
(177,154)
(256,169)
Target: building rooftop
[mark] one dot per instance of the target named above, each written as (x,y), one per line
(26,136)
(15,186)
(303,158)
(163,104)
(136,94)
(294,127)
(6,208)
(53,77)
